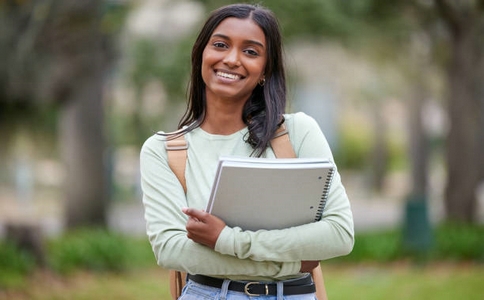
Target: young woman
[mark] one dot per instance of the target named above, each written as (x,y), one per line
(236,103)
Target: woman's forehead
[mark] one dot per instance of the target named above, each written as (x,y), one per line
(244,29)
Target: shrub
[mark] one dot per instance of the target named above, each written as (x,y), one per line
(450,242)
(460,242)
(377,247)
(15,264)
(353,151)
(97,250)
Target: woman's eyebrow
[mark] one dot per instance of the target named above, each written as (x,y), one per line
(247,41)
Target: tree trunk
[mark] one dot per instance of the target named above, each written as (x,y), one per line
(418,143)
(82,146)
(78,51)
(463,141)
(380,149)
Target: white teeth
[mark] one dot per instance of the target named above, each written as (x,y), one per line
(227,75)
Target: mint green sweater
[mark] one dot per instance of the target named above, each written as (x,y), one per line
(238,255)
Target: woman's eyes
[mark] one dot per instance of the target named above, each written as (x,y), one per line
(223,45)
(219,45)
(251,52)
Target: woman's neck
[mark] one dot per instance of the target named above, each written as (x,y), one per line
(223,124)
(223,117)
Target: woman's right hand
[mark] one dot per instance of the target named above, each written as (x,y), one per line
(308,265)
(203,227)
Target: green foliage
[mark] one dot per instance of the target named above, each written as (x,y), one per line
(114,16)
(97,250)
(167,62)
(14,265)
(397,155)
(355,147)
(460,241)
(343,20)
(353,150)
(85,249)
(380,247)
(453,242)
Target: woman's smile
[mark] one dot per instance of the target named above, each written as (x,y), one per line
(228,75)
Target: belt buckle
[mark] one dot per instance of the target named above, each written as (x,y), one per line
(247,286)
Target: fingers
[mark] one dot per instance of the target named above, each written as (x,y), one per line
(197,215)
(202,227)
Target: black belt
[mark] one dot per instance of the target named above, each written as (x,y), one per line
(301,286)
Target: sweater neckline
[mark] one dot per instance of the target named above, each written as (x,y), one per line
(212,136)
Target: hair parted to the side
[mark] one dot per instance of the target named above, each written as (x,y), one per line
(264,110)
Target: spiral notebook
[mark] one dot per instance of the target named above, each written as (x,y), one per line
(263,193)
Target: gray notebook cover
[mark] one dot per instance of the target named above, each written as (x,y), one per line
(261,193)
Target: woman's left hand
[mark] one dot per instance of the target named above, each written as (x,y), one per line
(202,227)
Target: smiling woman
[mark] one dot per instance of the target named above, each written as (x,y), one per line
(236,107)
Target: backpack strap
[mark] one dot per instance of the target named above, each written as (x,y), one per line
(281,144)
(176,150)
(177,282)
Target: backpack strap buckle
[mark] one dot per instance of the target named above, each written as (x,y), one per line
(176,144)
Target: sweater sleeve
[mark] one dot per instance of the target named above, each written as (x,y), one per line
(163,199)
(332,236)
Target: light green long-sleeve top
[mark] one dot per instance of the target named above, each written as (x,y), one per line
(238,255)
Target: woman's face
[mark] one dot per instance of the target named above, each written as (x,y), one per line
(234,59)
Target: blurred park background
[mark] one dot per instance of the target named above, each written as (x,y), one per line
(397,87)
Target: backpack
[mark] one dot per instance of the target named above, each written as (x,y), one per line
(177,157)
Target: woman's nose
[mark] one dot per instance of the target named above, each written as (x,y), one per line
(232,58)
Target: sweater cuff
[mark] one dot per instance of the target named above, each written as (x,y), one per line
(225,242)
(289,268)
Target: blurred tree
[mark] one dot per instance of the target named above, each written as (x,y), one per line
(163,61)
(57,54)
(465,100)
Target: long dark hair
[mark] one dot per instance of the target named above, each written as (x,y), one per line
(263,111)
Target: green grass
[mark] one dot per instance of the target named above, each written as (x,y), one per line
(404,281)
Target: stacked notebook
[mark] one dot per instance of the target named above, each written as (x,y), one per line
(264,193)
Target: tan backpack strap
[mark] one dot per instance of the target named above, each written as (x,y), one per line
(281,144)
(318,280)
(176,150)
(177,282)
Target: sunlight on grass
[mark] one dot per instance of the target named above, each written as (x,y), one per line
(402,281)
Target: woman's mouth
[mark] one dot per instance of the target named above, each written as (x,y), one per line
(228,75)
